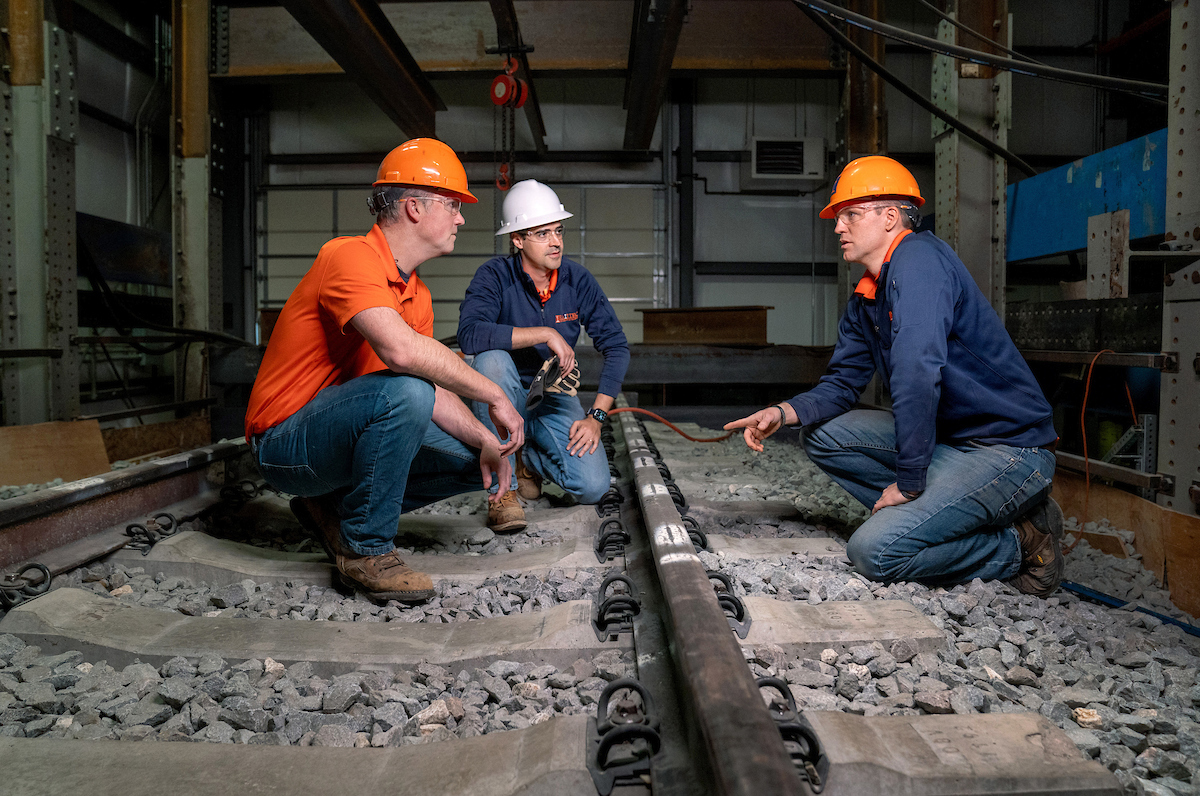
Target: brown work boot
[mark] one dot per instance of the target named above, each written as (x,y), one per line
(529,483)
(1042,562)
(319,517)
(506,516)
(382,578)
(385,577)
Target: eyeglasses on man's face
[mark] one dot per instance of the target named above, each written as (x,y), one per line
(543,235)
(454,206)
(852,215)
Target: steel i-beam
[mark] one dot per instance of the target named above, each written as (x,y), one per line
(358,35)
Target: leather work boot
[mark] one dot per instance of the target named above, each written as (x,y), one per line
(319,517)
(529,483)
(385,577)
(506,516)
(1042,562)
(381,578)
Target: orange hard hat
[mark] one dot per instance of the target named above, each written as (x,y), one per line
(872,176)
(425,163)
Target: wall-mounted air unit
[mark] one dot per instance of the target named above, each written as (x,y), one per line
(787,158)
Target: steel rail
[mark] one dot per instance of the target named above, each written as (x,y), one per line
(735,736)
(50,518)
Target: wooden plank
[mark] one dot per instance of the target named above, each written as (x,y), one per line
(1106,542)
(171,436)
(1181,534)
(705,325)
(1168,540)
(41,452)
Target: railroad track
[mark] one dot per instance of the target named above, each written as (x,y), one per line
(696,718)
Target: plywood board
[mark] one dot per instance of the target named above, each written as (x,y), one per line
(171,436)
(41,452)
(706,325)
(1168,540)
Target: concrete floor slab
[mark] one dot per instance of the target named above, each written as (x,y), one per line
(995,753)
(762,511)
(453,529)
(717,486)
(805,629)
(447,529)
(546,759)
(220,562)
(814,547)
(103,628)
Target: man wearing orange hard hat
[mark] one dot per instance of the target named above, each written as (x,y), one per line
(958,474)
(356,408)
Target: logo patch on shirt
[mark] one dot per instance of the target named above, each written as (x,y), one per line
(570,316)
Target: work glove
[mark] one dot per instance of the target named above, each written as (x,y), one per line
(551,379)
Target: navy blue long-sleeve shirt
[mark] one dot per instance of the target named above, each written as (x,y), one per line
(501,296)
(953,371)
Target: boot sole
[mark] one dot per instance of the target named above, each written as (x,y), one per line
(381,597)
(509,527)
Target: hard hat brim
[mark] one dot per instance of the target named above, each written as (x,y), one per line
(466,197)
(537,221)
(831,210)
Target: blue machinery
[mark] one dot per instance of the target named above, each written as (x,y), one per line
(1048,214)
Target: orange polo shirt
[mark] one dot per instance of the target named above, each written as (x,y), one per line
(313,346)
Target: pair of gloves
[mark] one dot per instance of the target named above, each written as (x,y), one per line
(552,379)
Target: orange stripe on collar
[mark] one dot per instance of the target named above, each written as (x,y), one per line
(868,284)
(544,295)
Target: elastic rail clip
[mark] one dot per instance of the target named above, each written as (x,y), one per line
(16,588)
(732,605)
(799,739)
(698,537)
(677,496)
(610,502)
(615,612)
(611,540)
(621,744)
(144,536)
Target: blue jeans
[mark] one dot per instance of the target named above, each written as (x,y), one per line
(960,527)
(547,432)
(371,442)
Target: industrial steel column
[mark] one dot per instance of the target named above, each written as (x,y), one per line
(685,101)
(1179,428)
(970,182)
(864,116)
(37,269)
(866,131)
(197,212)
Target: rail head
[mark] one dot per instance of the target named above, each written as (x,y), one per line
(740,741)
(57,498)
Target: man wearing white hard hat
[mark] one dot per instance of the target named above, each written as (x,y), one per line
(521,318)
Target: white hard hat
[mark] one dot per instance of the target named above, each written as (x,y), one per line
(530,204)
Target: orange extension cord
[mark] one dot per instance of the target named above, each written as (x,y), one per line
(1087,476)
(671,425)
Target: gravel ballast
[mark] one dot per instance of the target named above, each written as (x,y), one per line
(1121,683)
(262,702)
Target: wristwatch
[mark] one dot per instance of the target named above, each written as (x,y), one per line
(599,414)
(911,495)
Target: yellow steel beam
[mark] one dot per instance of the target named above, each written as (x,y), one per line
(189,77)
(25,40)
